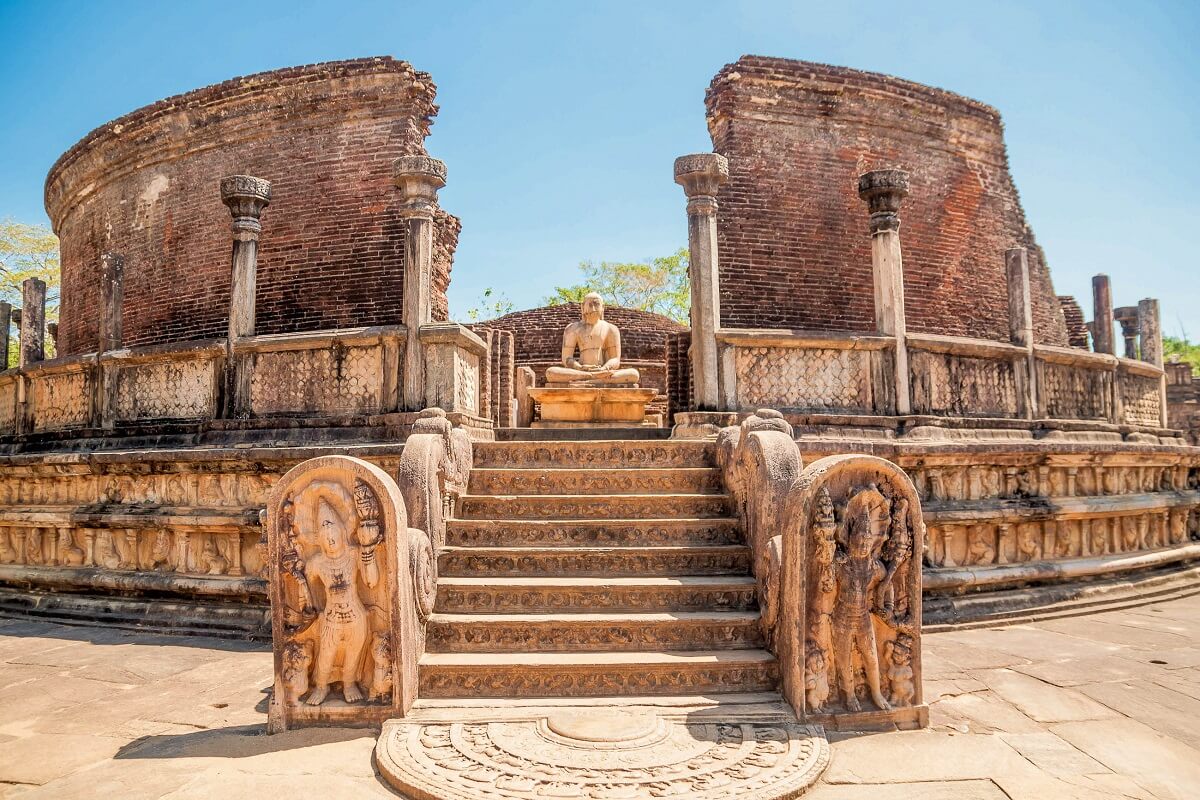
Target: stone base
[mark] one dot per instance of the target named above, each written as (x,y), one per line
(602,752)
(552,425)
(592,405)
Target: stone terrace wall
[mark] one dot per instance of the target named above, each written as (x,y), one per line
(538,336)
(792,231)
(325,136)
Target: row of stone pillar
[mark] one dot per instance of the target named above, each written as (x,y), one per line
(702,175)
(31,322)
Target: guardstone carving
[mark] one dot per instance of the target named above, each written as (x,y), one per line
(344,615)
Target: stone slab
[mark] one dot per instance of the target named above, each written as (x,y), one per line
(1041,701)
(1168,769)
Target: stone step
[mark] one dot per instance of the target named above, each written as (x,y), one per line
(595,507)
(539,480)
(595,674)
(594,561)
(688,630)
(537,594)
(546,532)
(596,454)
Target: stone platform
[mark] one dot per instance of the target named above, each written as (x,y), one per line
(576,406)
(1076,709)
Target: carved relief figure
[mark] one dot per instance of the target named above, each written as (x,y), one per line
(381,679)
(816,677)
(1028,546)
(341,630)
(980,549)
(899,670)
(211,560)
(8,553)
(70,553)
(160,551)
(599,346)
(297,661)
(860,573)
(106,551)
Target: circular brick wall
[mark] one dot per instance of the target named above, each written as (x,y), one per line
(538,333)
(332,248)
(794,247)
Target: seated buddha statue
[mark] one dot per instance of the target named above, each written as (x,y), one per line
(599,346)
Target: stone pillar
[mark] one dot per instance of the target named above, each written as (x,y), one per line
(1127,318)
(1020,322)
(246,197)
(418,178)
(1102,315)
(5,328)
(701,175)
(883,190)
(33,321)
(112,292)
(1151,344)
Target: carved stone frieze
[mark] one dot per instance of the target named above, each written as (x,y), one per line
(331,380)
(813,379)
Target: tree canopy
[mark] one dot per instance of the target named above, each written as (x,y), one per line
(659,285)
(28,251)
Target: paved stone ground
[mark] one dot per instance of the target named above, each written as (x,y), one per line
(1090,707)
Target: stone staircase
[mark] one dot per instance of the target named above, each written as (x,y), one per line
(624,573)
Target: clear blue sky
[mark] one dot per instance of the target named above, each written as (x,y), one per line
(560,120)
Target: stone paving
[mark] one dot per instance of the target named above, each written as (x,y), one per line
(1088,707)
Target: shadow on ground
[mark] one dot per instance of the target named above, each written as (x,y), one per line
(101,636)
(238,741)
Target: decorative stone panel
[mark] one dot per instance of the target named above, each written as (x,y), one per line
(945,384)
(466,368)
(1141,400)
(165,390)
(1073,392)
(8,406)
(802,378)
(330,380)
(61,400)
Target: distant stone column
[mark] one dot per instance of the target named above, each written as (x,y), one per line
(5,326)
(1127,318)
(701,176)
(1151,344)
(246,197)
(883,190)
(1102,315)
(418,178)
(1020,321)
(33,321)
(112,292)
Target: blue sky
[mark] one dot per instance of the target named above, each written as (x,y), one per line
(560,120)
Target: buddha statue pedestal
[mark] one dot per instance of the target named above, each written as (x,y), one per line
(591,406)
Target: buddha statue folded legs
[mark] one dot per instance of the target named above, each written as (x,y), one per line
(598,344)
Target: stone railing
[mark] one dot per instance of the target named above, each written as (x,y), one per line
(796,370)
(948,376)
(334,373)
(836,552)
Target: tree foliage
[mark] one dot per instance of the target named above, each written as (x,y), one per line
(659,285)
(491,304)
(28,251)
(1184,349)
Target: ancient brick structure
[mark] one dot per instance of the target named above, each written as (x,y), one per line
(790,225)
(1077,330)
(324,136)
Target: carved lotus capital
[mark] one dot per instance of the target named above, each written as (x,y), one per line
(418,178)
(701,175)
(246,197)
(883,190)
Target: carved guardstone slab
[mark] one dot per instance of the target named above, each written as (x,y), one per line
(591,406)
(602,753)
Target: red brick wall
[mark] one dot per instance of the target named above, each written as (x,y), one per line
(331,253)
(1077,331)
(794,247)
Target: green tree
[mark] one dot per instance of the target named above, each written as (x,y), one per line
(659,285)
(1180,346)
(28,251)
(491,304)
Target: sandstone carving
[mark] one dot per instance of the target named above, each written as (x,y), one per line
(344,615)
(598,344)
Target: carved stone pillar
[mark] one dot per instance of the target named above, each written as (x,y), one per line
(1102,315)
(1020,323)
(883,190)
(112,292)
(1150,340)
(246,197)
(1127,318)
(5,326)
(701,175)
(33,321)
(418,178)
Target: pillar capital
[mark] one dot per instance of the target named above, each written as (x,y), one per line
(883,190)
(1127,318)
(701,176)
(246,197)
(418,178)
